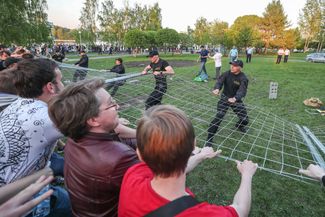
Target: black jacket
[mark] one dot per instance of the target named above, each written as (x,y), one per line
(234,85)
(119,69)
(83,62)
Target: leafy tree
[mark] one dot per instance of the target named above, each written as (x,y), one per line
(115,22)
(310,19)
(273,24)
(201,31)
(217,32)
(246,30)
(291,38)
(135,39)
(88,20)
(185,40)
(24,22)
(168,38)
(150,39)
(244,38)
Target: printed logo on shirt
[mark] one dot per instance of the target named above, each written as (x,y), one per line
(237,83)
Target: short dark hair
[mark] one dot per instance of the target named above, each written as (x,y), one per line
(77,103)
(165,139)
(32,75)
(119,59)
(7,77)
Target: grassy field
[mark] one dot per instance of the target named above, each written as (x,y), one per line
(217,180)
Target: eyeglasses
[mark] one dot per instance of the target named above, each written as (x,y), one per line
(111,105)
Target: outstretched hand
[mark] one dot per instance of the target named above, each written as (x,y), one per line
(313,171)
(22,203)
(247,167)
(208,152)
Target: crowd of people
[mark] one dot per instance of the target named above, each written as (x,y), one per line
(109,168)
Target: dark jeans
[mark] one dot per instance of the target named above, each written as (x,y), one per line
(278,60)
(286,58)
(248,58)
(60,203)
(223,106)
(115,86)
(202,68)
(79,75)
(57,164)
(218,72)
(156,96)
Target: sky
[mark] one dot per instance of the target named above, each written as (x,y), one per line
(178,14)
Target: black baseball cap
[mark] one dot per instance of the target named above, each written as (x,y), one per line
(237,63)
(153,53)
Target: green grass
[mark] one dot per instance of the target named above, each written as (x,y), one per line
(217,180)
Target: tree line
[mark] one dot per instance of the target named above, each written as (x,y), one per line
(139,26)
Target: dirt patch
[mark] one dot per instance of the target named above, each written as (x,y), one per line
(173,63)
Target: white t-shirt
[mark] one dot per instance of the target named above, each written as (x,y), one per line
(217,59)
(280,52)
(27,139)
(287,52)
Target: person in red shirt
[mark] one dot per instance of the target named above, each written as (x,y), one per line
(166,139)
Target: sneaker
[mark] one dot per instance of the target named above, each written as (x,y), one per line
(208,144)
(242,129)
(205,81)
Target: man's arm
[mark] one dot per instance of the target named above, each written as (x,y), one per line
(205,153)
(169,71)
(146,69)
(125,132)
(220,81)
(242,198)
(242,90)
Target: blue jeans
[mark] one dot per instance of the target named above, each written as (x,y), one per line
(202,68)
(57,164)
(60,203)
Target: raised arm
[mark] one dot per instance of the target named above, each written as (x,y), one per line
(205,153)
(146,69)
(242,199)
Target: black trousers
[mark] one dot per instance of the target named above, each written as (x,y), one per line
(156,96)
(223,106)
(248,58)
(286,58)
(278,60)
(81,74)
(115,86)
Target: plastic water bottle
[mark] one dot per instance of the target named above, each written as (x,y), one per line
(43,208)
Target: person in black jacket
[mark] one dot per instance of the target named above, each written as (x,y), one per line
(235,85)
(160,69)
(119,70)
(58,56)
(83,62)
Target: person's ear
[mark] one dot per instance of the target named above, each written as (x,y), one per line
(49,87)
(92,122)
(139,155)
